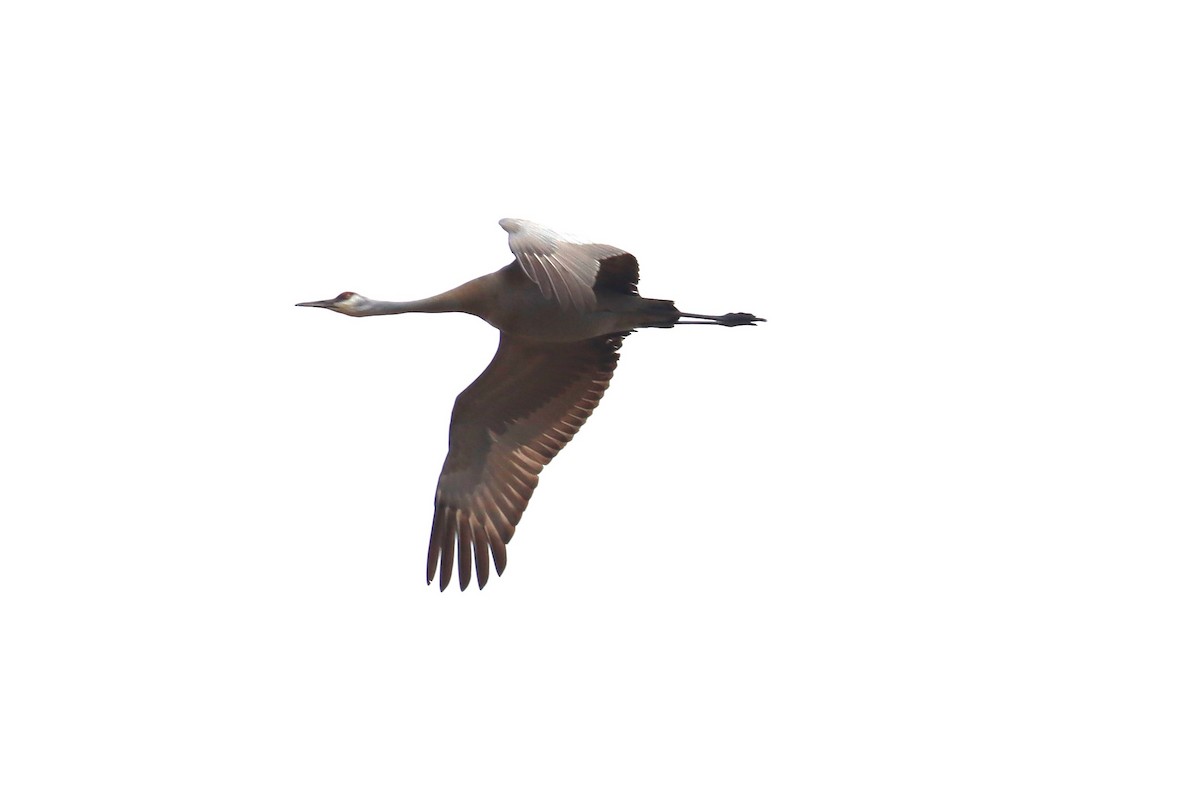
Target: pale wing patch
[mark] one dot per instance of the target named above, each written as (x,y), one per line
(563,267)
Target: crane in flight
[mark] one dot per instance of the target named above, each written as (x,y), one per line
(563,308)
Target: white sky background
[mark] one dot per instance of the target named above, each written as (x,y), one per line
(930,531)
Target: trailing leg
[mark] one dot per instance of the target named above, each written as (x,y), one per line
(728,320)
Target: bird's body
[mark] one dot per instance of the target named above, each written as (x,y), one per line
(563,308)
(510,302)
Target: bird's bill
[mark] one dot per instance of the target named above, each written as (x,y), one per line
(320,303)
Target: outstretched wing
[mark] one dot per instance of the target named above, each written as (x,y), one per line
(506,426)
(564,269)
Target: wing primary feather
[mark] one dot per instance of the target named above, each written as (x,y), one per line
(435,545)
(499,519)
(463,526)
(495,544)
(448,535)
(479,544)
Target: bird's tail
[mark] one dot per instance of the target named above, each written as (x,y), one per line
(660,313)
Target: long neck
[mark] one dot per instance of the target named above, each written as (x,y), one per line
(377,307)
(451,301)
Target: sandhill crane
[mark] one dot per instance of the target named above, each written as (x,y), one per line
(563,308)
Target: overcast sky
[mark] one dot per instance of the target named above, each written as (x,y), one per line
(929,531)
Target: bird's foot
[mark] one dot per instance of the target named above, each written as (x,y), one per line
(738,319)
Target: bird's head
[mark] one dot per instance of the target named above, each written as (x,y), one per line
(347,302)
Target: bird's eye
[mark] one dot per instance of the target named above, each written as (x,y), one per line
(342,297)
